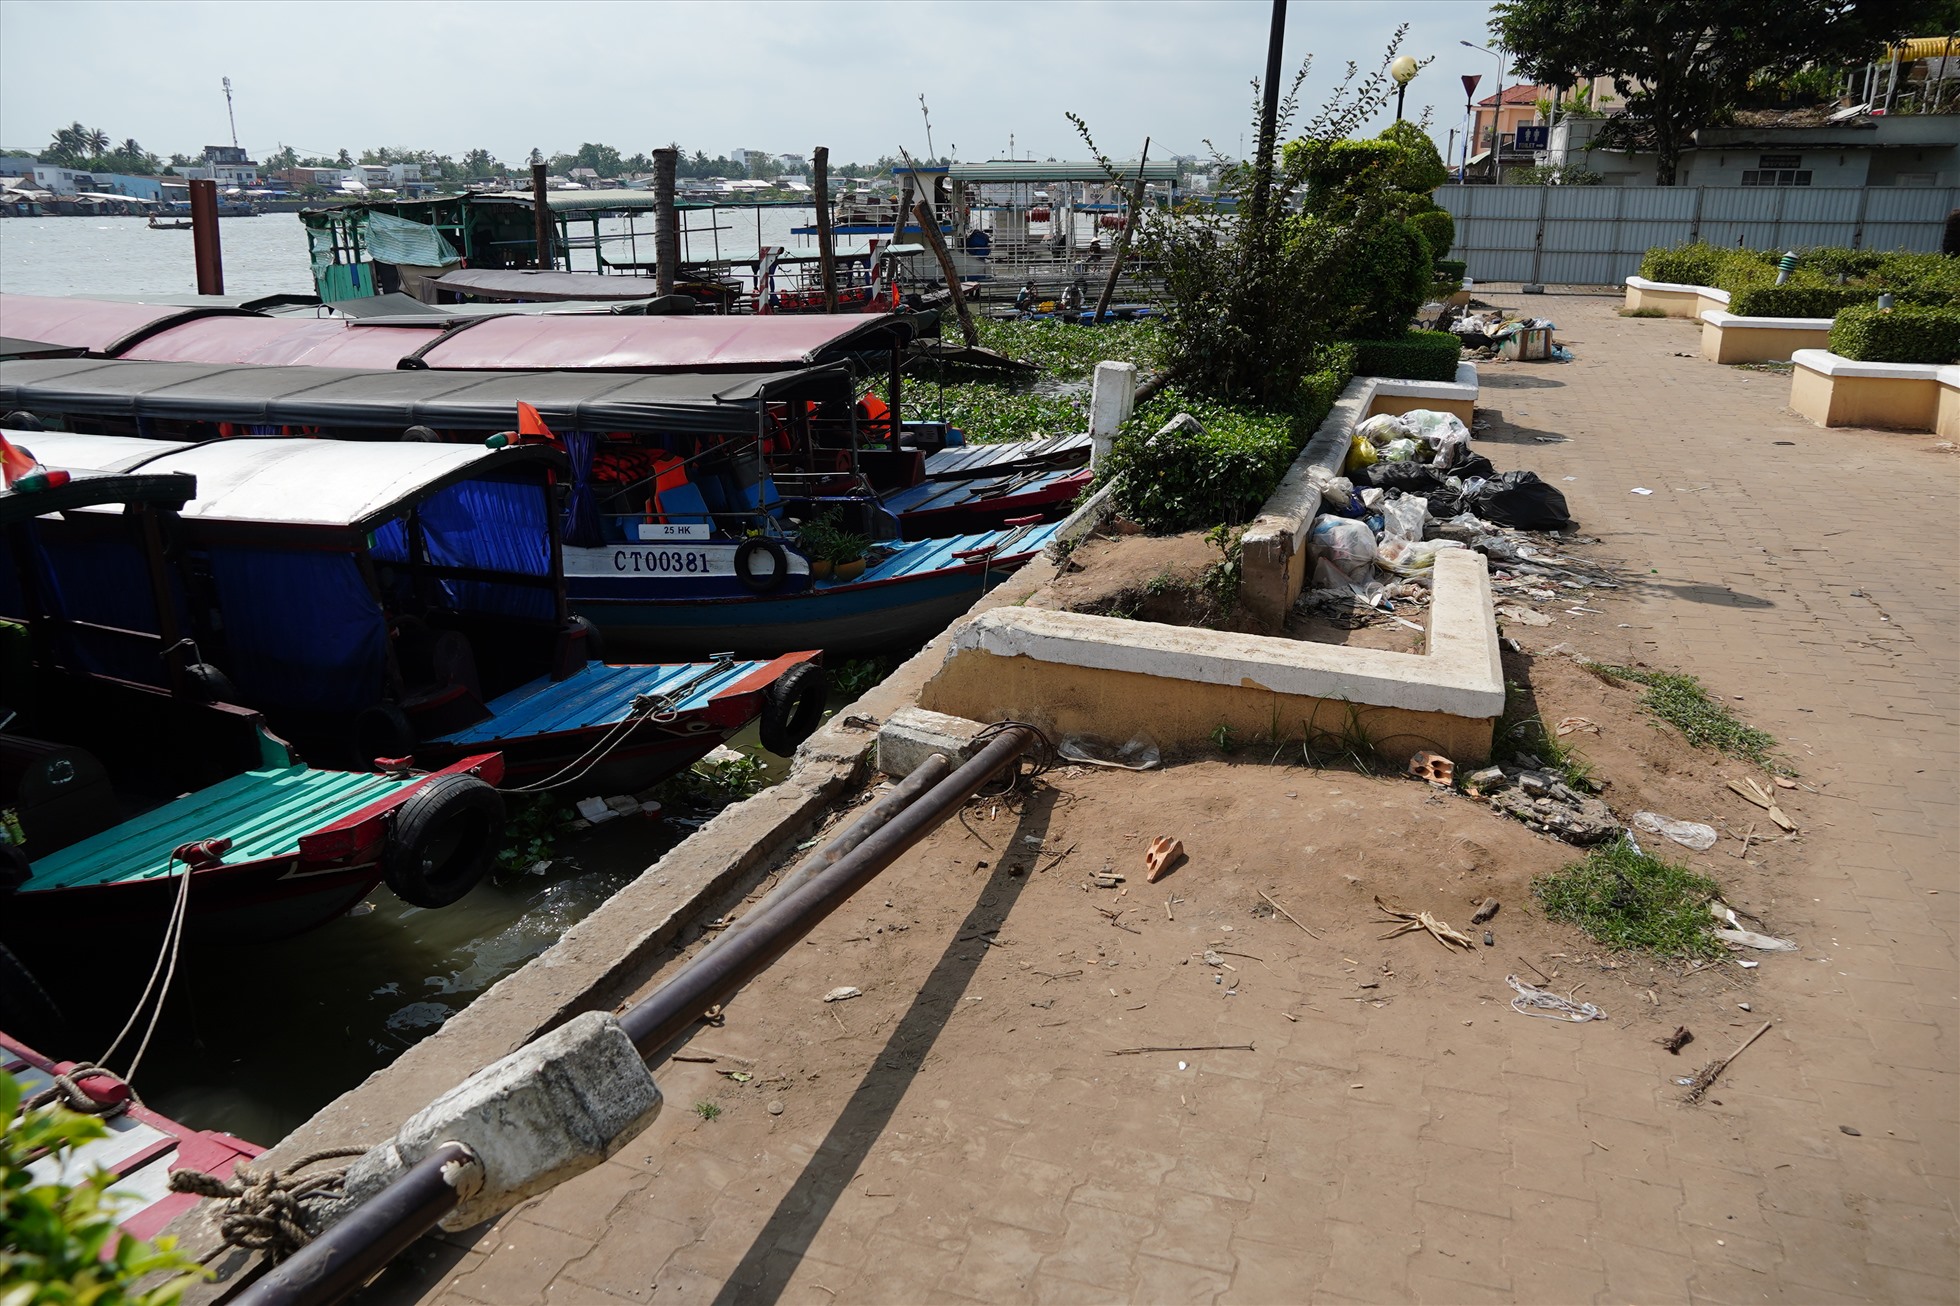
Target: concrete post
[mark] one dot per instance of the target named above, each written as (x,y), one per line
(1111,401)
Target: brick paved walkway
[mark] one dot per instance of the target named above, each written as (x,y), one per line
(1391,1155)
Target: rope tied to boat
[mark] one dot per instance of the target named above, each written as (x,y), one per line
(265,1209)
(68,1091)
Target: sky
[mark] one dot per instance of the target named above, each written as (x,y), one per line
(508,75)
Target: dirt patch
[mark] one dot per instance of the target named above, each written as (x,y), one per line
(1167,579)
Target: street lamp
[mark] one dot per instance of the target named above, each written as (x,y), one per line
(1404,71)
(1496,116)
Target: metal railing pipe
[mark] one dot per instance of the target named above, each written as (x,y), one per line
(672,1010)
(874,818)
(360,1246)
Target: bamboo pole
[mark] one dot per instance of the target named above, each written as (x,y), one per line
(929,228)
(1123,237)
(826,256)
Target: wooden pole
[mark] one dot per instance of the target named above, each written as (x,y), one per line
(826,255)
(204,237)
(1123,237)
(541,218)
(929,228)
(666,231)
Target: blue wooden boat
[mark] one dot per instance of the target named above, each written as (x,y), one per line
(407,601)
(128,806)
(654,525)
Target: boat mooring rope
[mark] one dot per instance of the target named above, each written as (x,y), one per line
(68,1091)
(173,938)
(264,1208)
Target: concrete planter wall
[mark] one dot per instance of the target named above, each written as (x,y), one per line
(1726,338)
(1674,298)
(1835,391)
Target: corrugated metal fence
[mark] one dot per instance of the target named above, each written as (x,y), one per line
(1595,235)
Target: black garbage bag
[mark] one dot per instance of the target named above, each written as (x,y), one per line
(1520,500)
(1472,464)
(1408,477)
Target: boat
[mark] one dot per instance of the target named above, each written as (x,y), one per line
(643,544)
(398,604)
(800,426)
(141,1146)
(136,797)
(215,333)
(167,226)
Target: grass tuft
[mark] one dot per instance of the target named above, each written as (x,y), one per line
(1682,702)
(1643,312)
(707,1110)
(1626,899)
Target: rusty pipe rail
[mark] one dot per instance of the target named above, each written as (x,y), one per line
(351,1252)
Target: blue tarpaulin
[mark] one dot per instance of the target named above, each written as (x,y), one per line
(302,629)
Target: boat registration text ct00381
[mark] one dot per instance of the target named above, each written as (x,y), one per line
(670,562)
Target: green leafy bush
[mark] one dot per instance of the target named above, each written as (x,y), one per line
(1184,480)
(1384,282)
(1915,278)
(1921,278)
(59,1244)
(1709,265)
(1798,300)
(1070,352)
(1835,263)
(1414,356)
(1909,333)
(1451,269)
(1437,229)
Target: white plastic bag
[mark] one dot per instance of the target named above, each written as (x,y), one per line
(1384,427)
(1412,557)
(1403,518)
(1344,543)
(1336,492)
(1399,451)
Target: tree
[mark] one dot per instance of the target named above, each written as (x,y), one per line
(344,160)
(96,140)
(1681,65)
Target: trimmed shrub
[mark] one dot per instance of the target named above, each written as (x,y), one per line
(1921,278)
(1223,473)
(1798,300)
(1910,333)
(1384,282)
(1437,229)
(1451,269)
(1416,356)
(1708,265)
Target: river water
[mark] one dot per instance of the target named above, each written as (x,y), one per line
(267,254)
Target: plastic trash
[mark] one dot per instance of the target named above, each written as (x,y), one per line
(1361,453)
(1403,517)
(1384,427)
(1689,834)
(1140,754)
(1517,499)
(1398,451)
(1409,478)
(1348,546)
(1412,557)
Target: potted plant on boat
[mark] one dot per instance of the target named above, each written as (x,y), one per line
(833,551)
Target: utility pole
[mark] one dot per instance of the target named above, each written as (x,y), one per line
(229,115)
(826,256)
(1262,175)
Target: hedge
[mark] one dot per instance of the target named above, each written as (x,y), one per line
(1798,301)
(1910,333)
(1451,269)
(1417,356)
(1914,278)
(1437,229)
(1223,473)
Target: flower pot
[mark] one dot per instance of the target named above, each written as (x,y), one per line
(849,570)
(819,568)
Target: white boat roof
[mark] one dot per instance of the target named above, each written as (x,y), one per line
(284,481)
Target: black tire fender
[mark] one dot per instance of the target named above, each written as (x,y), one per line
(595,645)
(210,684)
(756,582)
(792,707)
(445,839)
(382,730)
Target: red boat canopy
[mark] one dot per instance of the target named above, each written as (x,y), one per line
(99,326)
(522,342)
(283,342)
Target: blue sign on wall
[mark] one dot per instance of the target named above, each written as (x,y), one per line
(1534,136)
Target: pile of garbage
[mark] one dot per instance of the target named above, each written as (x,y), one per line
(1537,797)
(1409,489)
(1495,333)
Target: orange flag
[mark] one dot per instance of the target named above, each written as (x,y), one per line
(530,426)
(14,462)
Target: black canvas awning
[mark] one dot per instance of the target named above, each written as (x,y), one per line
(697,403)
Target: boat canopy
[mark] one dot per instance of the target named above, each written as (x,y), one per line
(15,347)
(535,284)
(575,201)
(696,403)
(498,340)
(88,488)
(99,326)
(284,482)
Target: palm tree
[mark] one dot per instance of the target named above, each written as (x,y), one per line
(94,139)
(131,148)
(69,142)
